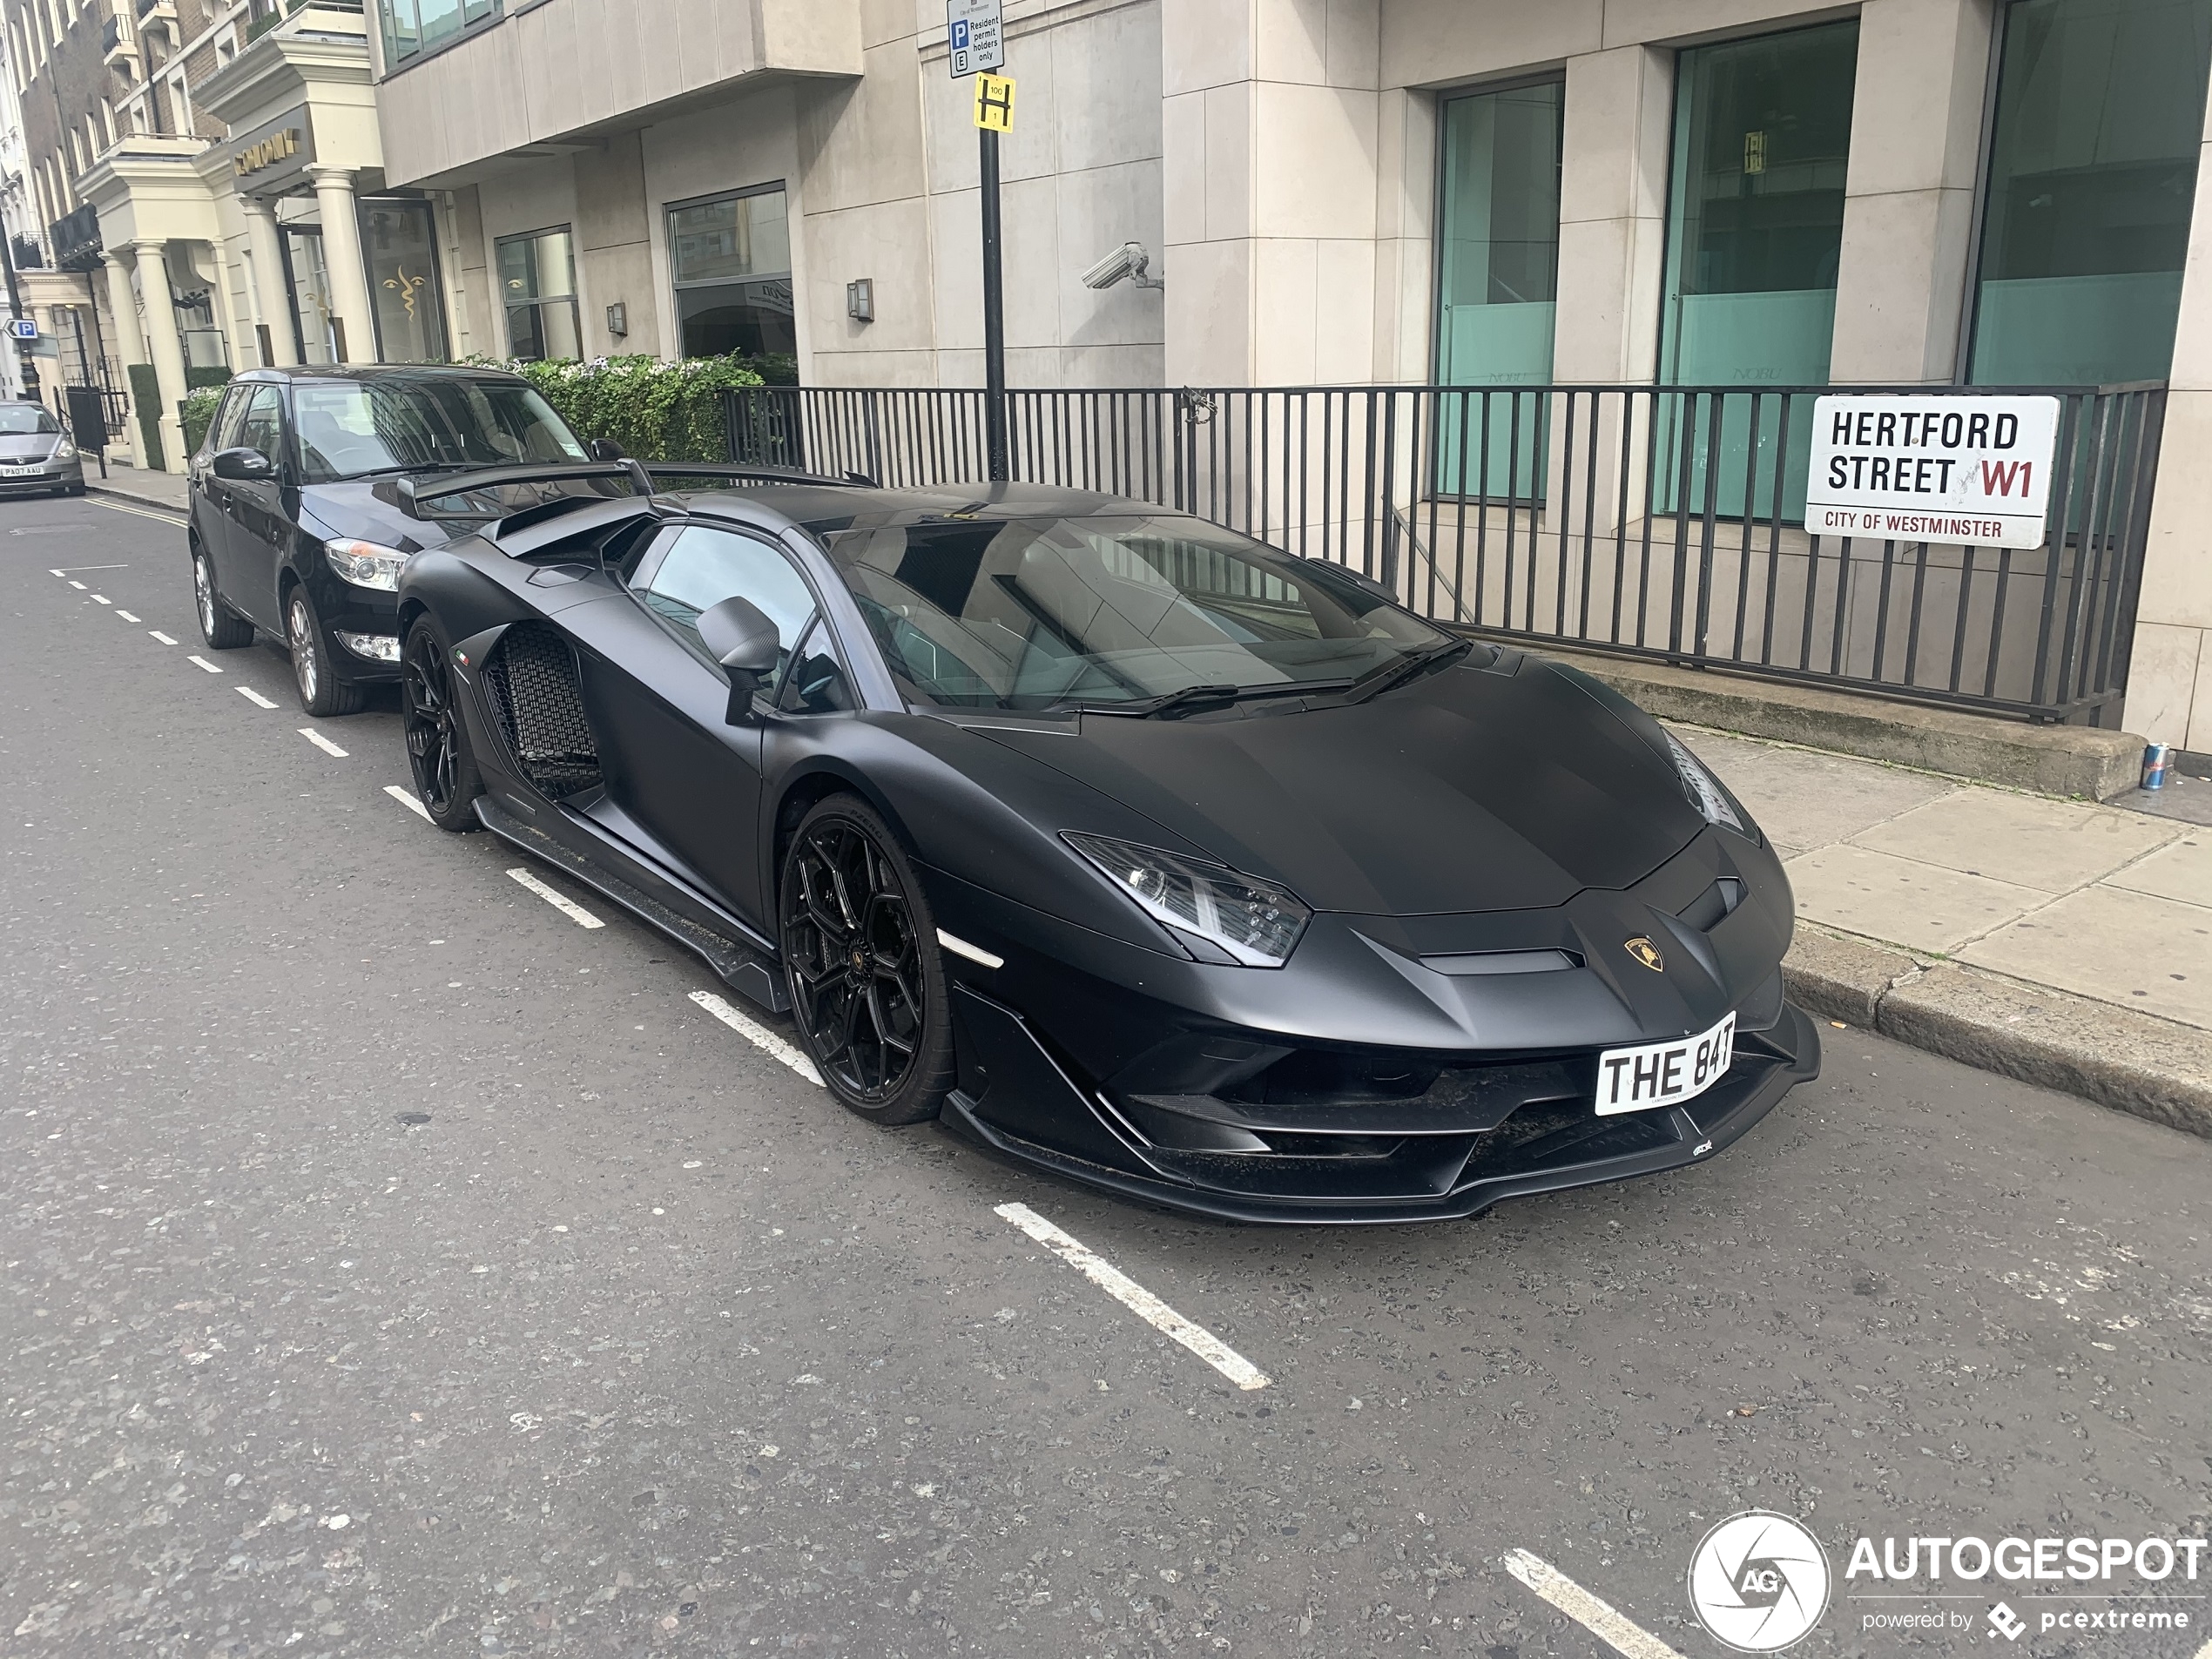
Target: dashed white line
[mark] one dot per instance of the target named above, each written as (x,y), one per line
(102,599)
(197,662)
(759,1034)
(163,637)
(79,586)
(126,614)
(254,697)
(1138,1300)
(567,906)
(321,742)
(406,799)
(1601,1619)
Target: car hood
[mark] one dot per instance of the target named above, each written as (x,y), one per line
(1510,785)
(369,508)
(28,446)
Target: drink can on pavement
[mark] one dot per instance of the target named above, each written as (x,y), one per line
(2158,761)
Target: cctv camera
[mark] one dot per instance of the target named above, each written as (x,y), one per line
(1129,261)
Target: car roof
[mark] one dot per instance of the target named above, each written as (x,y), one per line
(829,510)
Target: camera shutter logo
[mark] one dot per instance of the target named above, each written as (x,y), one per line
(1760,1581)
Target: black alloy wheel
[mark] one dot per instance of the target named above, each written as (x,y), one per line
(867,980)
(437,742)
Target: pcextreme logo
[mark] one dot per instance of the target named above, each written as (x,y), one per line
(1760,1581)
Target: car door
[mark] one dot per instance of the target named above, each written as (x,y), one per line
(257,526)
(657,701)
(212,506)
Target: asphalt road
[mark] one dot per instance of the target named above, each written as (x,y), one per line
(639,1346)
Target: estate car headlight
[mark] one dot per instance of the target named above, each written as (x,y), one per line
(1253,922)
(365,565)
(65,450)
(1705,792)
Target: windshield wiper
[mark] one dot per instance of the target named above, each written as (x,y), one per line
(426,466)
(1144,708)
(1380,679)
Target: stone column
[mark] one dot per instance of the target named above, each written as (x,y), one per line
(166,347)
(341,253)
(1909,190)
(130,342)
(265,275)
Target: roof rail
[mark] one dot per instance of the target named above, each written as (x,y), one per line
(413,492)
(767,475)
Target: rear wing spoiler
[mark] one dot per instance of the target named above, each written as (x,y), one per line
(416,494)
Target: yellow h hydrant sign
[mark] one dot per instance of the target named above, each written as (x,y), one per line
(995,103)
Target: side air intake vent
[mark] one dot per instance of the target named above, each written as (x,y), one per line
(531,676)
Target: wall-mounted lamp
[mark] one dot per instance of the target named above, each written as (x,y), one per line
(618,319)
(859,299)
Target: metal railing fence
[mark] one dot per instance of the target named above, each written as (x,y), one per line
(1664,523)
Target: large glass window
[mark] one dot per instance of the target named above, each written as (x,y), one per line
(2091,169)
(537,285)
(730,259)
(1498,259)
(1754,224)
(412,27)
(399,243)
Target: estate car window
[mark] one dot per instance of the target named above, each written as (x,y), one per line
(262,427)
(703,567)
(228,419)
(20,420)
(357,429)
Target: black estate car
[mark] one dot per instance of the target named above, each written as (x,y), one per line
(296,528)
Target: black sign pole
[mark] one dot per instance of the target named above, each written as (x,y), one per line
(993,312)
(28,365)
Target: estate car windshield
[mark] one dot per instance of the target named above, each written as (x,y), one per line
(352,428)
(1035,613)
(18,420)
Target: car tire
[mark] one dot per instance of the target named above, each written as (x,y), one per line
(221,627)
(321,693)
(868,989)
(445,779)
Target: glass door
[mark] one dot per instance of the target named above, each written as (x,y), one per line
(309,280)
(1754,228)
(399,242)
(1498,258)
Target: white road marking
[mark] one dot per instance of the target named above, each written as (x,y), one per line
(102,599)
(1138,1300)
(973,953)
(567,906)
(66,568)
(408,799)
(163,637)
(321,742)
(254,697)
(79,586)
(759,1034)
(158,518)
(126,614)
(198,662)
(1578,1604)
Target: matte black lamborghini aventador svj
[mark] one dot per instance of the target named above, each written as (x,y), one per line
(1135,849)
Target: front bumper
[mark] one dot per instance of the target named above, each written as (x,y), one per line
(68,475)
(1509,1128)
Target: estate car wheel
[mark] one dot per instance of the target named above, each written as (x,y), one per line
(320,691)
(221,627)
(437,741)
(867,982)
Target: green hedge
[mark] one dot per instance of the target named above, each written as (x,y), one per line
(197,413)
(655,411)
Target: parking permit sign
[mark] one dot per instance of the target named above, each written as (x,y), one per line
(971,32)
(1967,469)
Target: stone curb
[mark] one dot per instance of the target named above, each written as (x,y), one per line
(2049,760)
(2133,1063)
(95,487)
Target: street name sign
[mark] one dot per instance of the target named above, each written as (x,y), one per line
(1958,468)
(972,32)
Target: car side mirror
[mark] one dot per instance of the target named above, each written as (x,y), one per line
(739,635)
(243,466)
(604,449)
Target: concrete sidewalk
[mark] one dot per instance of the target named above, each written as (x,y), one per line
(2058,942)
(165,489)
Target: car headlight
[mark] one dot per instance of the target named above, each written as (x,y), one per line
(1713,802)
(64,451)
(365,565)
(1254,922)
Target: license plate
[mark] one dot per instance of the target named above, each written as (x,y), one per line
(1661,1074)
(21,472)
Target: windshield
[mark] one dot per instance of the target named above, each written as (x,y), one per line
(350,428)
(17,419)
(1035,612)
